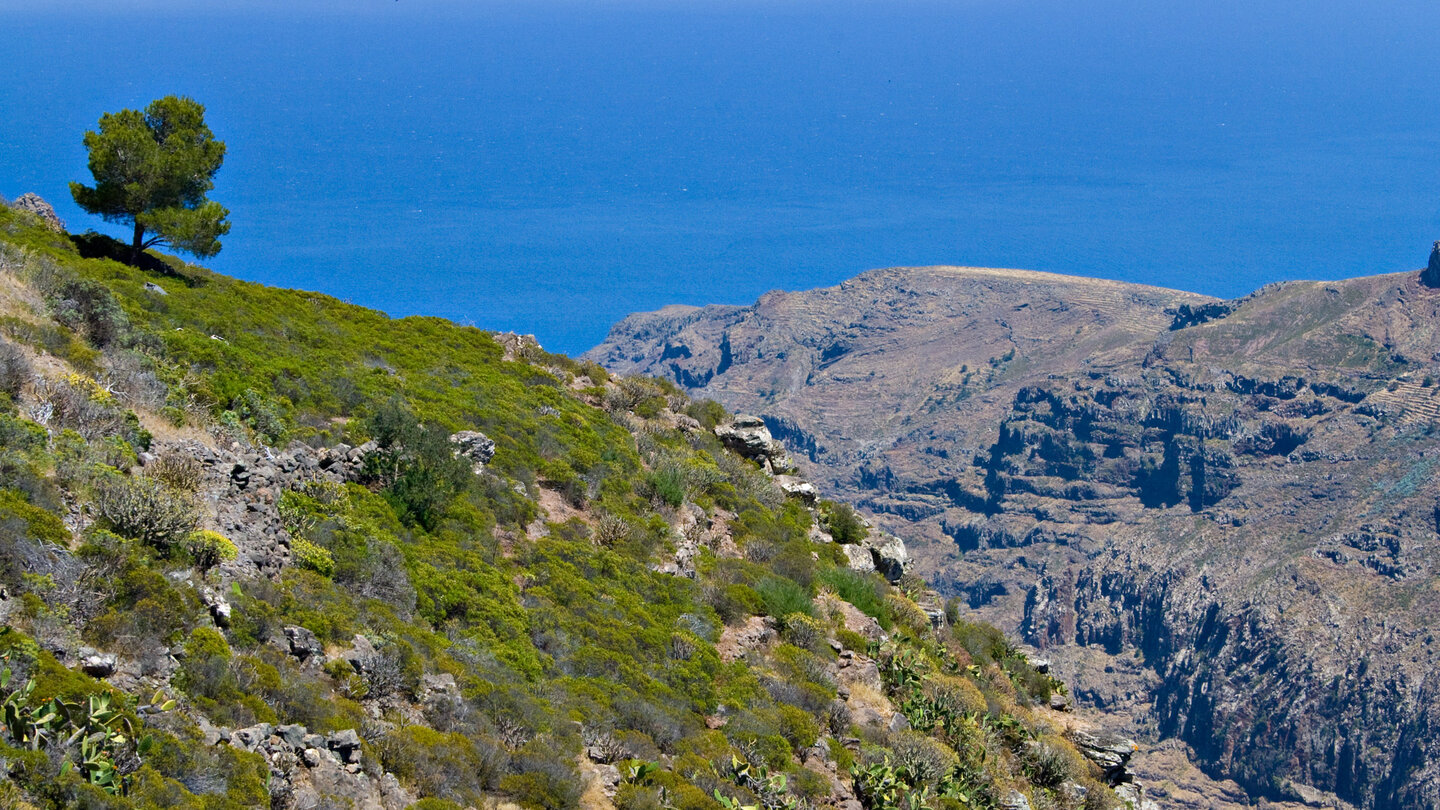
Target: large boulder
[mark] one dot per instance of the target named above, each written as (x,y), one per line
(798,488)
(346,744)
(1108,751)
(33,204)
(748,436)
(859,558)
(1430,276)
(303,644)
(97,664)
(891,558)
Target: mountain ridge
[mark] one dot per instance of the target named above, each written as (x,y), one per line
(1107,467)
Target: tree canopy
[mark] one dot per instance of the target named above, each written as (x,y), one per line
(152,171)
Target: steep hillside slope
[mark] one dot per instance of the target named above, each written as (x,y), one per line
(262,548)
(1241,493)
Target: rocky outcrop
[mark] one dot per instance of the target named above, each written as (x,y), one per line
(880,552)
(1430,276)
(304,645)
(748,437)
(889,555)
(33,204)
(859,558)
(474,446)
(799,488)
(316,770)
(241,487)
(97,664)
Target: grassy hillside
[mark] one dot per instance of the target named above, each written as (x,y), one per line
(513,634)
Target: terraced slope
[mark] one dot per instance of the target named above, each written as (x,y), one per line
(1219,516)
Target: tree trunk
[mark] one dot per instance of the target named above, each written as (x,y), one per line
(137,246)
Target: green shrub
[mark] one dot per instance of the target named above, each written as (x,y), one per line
(866,591)
(179,472)
(803,631)
(735,603)
(436,804)
(144,509)
(544,779)
(449,767)
(415,463)
(39,524)
(666,484)
(781,597)
(311,557)
(798,727)
(843,523)
(260,414)
(906,614)
(208,549)
(90,308)
(707,412)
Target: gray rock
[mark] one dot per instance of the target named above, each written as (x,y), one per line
(347,745)
(891,558)
(1015,800)
(748,436)
(360,654)
(899,723)
(1430,276)
(934,606)
(252,736)
(475,446)
(444,683)
(798,488)
(1133,795)
(293,734)
(33,204)
(1110,752)
(859,558)
(220,609)
(311,757)
(151,286)
(98,665)
(303,644)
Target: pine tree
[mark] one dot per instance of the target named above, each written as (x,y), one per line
(152,171)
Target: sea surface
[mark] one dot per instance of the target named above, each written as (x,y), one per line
(548,167)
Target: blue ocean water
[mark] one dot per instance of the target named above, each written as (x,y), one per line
(550,166)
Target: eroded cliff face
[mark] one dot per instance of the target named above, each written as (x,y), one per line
(1242,494)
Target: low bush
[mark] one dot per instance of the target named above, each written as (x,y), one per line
(15,369)
(544,778)
(843,522)
(142,508)
(864,591)
(208,549)
(90,308)
(666,484)
(180,473)
(311,557)
(781,597)
(446,767)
